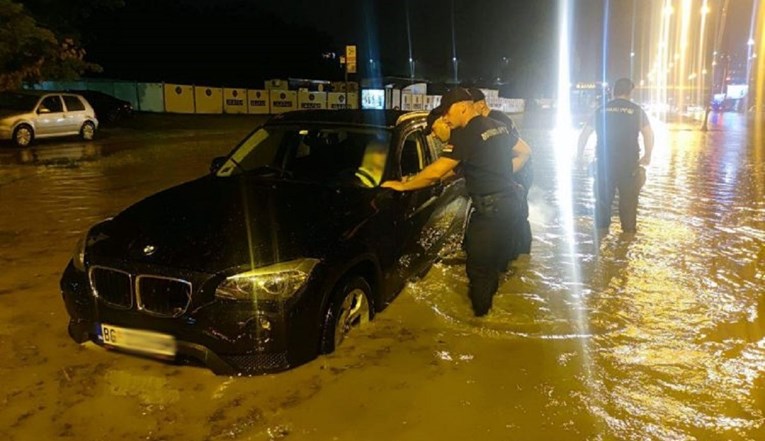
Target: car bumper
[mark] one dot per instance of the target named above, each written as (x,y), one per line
(227,337)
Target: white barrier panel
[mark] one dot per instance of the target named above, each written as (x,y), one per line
(258,102)
(418,102)
(407,102)
(151,97)
(277,84)
(336,100)
(312,100)
(395,99)
(513,105)
(430,102)
(373,99)
(179,98)
(416,89)
(208,99)
(235,100)
(283,101)
(353,100)
(491,93)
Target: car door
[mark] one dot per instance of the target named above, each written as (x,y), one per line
(51,119)
(75,113)
(446,227)
(415,208)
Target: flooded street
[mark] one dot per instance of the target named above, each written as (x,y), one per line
(660,336)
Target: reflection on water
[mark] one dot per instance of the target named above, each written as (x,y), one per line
(62,155)
(674,313)
(674,346)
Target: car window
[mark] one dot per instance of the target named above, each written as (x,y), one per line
(436,145)
(414,154)
(73,103)
(52,103)
(328,155)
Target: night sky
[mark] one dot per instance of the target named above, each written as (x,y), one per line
(243,42)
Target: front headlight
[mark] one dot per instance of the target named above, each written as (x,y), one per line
(78,260)
(275,282)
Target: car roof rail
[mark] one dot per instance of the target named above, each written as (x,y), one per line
(411,115)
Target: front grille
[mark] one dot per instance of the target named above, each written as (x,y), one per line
(112,287)
(257,363)
(162,296)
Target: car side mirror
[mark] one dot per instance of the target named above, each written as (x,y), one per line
(43,110)
(217,163)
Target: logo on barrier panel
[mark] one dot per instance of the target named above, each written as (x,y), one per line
(259,100)
(283,102)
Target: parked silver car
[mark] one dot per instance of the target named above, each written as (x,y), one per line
(27,115)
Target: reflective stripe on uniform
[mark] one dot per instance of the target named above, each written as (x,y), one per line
(366,177)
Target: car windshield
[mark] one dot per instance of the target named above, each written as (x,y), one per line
(17,101)
(326,155)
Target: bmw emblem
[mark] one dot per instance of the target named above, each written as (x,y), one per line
(148,250)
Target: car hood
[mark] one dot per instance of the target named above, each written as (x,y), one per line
(214,224)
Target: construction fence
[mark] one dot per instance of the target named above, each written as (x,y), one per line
(193,99)
(183,98)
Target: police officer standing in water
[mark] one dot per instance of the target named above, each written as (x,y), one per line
(523,177)
(489,155)
(618,125)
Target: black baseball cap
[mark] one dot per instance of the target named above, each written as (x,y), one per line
(453,96)
(477,94)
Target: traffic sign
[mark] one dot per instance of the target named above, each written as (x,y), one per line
(350,53)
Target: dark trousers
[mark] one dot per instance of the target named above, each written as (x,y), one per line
(628,184)
(490,244)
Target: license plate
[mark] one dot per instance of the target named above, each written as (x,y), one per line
(137,340)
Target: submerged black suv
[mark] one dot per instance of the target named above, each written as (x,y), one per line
(271,259)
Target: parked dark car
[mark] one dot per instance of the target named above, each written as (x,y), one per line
(276,255)
(108,109)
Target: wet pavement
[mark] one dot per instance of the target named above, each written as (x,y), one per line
(657,336)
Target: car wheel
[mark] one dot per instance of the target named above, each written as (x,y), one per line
(350,309)
(88,131)
(23,135)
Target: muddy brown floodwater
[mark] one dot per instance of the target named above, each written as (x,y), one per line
(656,337)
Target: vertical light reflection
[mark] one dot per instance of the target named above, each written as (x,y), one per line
(681,67)
(759,97)
(681,56)
(701,61)
(409,41)
(454,47)
(563,134)
(751,43)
